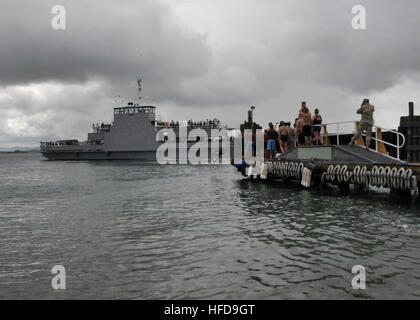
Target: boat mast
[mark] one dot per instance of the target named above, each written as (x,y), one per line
(139,88)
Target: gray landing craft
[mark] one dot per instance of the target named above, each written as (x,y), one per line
(135,134)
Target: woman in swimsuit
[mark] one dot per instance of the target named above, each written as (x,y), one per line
(316,127)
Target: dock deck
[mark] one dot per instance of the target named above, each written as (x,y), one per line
(316,166)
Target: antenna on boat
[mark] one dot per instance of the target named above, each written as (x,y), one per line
(148,100)
(139,88)
(119,102)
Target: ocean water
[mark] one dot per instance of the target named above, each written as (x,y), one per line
(138,230)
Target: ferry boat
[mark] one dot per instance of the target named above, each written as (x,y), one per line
(135,133)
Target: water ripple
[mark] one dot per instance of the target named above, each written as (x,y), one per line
(141,231)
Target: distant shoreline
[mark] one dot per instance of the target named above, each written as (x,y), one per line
(21,151)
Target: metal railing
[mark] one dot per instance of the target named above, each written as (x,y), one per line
(338,125)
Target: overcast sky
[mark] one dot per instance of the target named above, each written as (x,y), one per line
(202,59)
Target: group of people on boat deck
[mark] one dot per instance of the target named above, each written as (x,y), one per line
(306,131)
(208,123)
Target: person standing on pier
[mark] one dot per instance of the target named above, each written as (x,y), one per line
(366,110)
(307,126)
(299,131)
(292,136)
(271,143)
(316,127)
(303,106)
(283,136)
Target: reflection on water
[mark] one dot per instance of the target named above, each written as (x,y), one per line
(130,229)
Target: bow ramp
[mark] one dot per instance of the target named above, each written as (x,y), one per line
(344,154)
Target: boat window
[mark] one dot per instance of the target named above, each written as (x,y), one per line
(136,110)
(131,110)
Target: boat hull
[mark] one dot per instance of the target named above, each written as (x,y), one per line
(214,156)
(99,155)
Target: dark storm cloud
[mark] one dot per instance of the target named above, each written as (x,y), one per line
(372,59)
(313,40)
(105,39)
(119,40)
(310,42)
(227,56)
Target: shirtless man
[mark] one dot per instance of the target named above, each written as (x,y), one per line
(299,131)
(302,107)
(283,137)
(292,136)
(307,126)
(271,143)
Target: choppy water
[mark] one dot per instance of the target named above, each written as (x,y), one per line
(131,229)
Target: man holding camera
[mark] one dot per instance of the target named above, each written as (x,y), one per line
(366,122)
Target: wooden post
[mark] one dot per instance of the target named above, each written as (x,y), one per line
(410,133)
(381,145)
(411,110)
(359,141)
(325,138)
